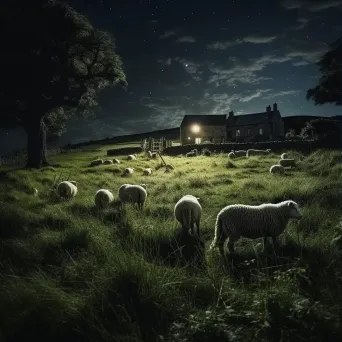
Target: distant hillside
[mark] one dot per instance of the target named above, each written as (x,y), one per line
(290,122)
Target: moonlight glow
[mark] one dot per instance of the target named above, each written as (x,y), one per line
(195,128)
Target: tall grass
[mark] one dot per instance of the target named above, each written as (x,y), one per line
(71,273)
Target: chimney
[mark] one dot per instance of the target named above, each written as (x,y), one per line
(231,114)
(268,108)
(275,107)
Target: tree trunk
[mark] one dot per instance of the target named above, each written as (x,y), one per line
(36,143)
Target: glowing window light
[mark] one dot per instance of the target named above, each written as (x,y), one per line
(195,129)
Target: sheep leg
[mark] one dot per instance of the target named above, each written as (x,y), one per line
(231,243)
(276,245)
(198,227)
(265,242)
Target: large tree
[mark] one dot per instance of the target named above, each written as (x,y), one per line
(54,63)
(329,89)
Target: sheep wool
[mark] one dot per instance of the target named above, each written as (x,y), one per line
(265,220)
(284,156)
(277,169)
(149,154)
(67,189)
(103,198)
(287,162)
(128,171)
(108,162)
(187,212)
(148,171)
(131,157)
(240,153)
(133,193)
(231,155)
(116,161)
(96,162)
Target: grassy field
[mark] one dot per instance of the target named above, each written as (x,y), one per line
(70,273)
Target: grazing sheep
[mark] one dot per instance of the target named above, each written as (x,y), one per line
(131,157)
(103,198)
(108,162)
(188,212)
(128,171)
(287,162)
(67,189)
(154,155)
(277,169)
(148,171)
(133,193)
(231,155)
(116,161)
(253,152)
(240,153)
(238,220)
(190,154)
(284,156)
(149,154)
(96,162)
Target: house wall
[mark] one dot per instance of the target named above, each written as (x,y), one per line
(217,133)
(248,130)
(278,126)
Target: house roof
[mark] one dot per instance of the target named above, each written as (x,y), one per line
(208,120)
(250,119)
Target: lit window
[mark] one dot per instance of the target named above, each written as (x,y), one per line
(188,138)
(261,131)
(237,133)
(195,129)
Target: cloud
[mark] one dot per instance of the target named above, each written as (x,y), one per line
(307,51)
(255,95)
(244,72)
(168,34)
(281,93)
(300,63)
(248,39)
(301,23)
(310,5)
(186,39)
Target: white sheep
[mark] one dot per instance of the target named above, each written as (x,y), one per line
(96,162)
(154,155)
(284,156)
(277,169)
(133,193)
(128,171)
(231,155)
(148,171)
(149,154)
(240,153)
(103,198)
(190,154)
(188,212)
(116,161)
(131,157)
(107,162)
(265,220)
(287,162)
(67,189)
(253,152)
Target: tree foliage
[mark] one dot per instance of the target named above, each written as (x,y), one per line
(54,61)
(329,89)
(322,129)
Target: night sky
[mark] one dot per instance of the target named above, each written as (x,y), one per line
(205,57)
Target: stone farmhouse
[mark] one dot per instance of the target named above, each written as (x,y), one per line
(268,125)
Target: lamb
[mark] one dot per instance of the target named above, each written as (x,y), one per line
(108,162)
(116,161)
(253,152)
(148,171)
(284,156)
(287,162)
(133,193)
(96,162)
(238,220)
(103,198)
(231,155)
(128,171)
(188,212)
(67,189)
(240,153)
(131,157)
(277,169)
